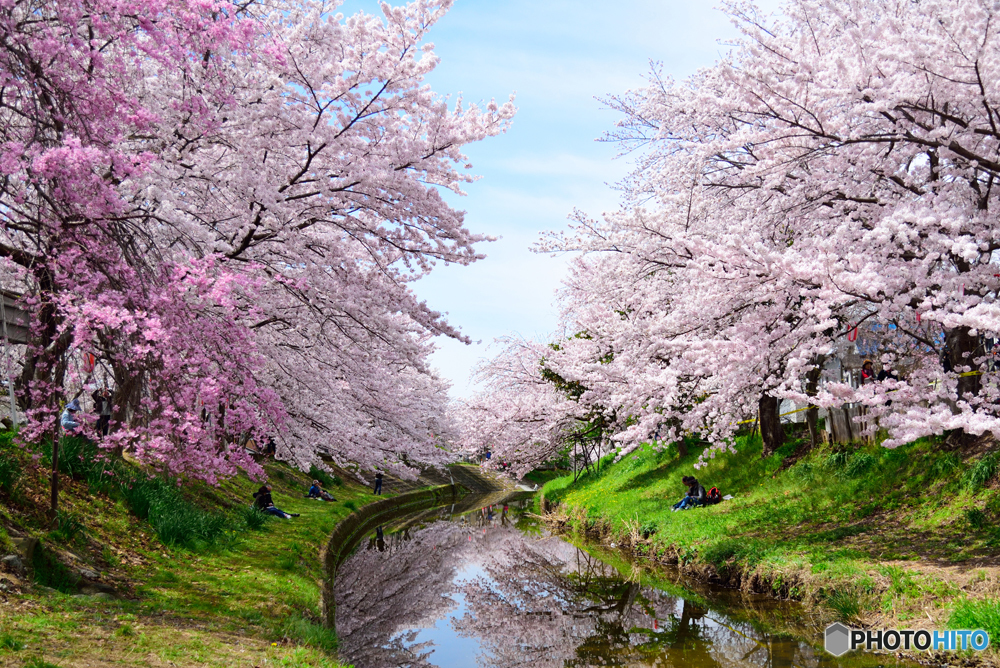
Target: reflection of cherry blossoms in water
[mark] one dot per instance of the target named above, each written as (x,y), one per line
(385,594)
(546,604)
(531,601)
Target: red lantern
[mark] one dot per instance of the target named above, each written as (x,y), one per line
(88,362)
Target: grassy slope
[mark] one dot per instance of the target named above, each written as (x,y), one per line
(249,598)
(904,536)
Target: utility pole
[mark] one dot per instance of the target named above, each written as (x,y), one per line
(6,359)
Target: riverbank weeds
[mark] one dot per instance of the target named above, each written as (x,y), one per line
(902,538)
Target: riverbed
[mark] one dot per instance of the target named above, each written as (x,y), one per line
(491,587)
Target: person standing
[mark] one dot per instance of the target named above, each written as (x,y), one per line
(102,406)
(867,372)
(378,482)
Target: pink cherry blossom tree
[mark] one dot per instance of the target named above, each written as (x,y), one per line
(834,171)
(226,204)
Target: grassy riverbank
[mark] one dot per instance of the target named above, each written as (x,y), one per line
(208,585)
(903,537)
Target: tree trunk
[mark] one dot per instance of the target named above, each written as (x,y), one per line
(771,431)
(812,386)
(962,351)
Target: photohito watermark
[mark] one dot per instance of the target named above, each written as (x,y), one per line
(840,639)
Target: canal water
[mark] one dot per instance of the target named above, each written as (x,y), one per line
(490,587)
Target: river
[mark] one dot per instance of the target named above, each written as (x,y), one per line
(492,588)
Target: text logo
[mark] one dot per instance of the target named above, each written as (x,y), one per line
(839,639)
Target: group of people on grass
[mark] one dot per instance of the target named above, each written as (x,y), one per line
(696,496)
(263,501)
(71,423)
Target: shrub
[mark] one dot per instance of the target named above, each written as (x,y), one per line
(324,478)
(186,524)
(126,630)
(175,520)
(847,604)
(836,461)
(68,527)
(802,471)
(945,464)
(741,551)
(859,464)
(10,471)
(309,633)
(981,472)
(984,614)
(976,518)
(253,517)
(38,662)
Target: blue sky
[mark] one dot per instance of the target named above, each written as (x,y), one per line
(558,57)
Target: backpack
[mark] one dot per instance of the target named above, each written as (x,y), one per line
(714,496)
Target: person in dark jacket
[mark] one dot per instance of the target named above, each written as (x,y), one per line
(695,496)
(102,406)
(378,482)
(263,502)
(316,492)
(887,373)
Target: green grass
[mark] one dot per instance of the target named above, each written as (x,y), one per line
(541,477)
(821,523)
(213,582)
(984,614)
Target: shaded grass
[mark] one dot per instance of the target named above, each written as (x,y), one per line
(541,477)
(325,478)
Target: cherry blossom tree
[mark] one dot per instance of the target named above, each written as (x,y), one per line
(835,170)
(526,413)
(226,204)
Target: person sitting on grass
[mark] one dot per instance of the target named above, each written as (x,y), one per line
(316,492)
(695,495)
(263,502)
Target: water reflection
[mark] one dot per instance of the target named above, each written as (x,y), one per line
(487,588)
